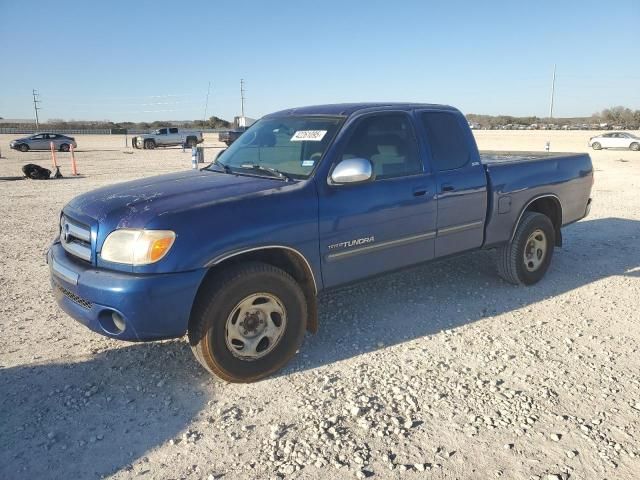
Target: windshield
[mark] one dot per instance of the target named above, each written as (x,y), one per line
(291,145)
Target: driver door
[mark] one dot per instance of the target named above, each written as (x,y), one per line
(161,139)
(384,224)
(39,142)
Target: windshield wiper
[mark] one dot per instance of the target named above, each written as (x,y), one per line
(273,171)
(226,168)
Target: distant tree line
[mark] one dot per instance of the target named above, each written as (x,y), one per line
(59,124)
(619,117)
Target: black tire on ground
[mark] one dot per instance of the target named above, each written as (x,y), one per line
(134,142)
(512,264)
(192,142)
(635,146)
(64,147)
(149,144)
(596,146)
(213,313)
(23,147)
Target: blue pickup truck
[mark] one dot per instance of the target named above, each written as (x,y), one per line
(307,199)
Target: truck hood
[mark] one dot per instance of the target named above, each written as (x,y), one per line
(133,204)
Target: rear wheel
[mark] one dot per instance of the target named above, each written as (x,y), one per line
(596,146)
(525,259)
(23,147)
(191,142)
(149,144)
(64,147)
(635,146)
(247,322)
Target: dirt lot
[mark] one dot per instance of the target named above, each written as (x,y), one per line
(441,371)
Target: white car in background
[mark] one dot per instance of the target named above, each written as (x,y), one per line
(615,140)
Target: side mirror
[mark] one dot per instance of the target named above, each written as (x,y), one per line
(352,170)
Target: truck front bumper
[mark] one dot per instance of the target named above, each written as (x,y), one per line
(121,305)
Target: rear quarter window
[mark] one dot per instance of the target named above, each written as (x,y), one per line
(447,140)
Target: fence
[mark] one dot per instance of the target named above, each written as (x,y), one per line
(96,131)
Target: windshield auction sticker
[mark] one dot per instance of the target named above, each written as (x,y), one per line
(308,135)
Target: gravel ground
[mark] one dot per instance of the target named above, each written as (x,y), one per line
(440,371)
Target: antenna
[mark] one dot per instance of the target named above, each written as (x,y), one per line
(242,97)
(36,101)
(206,104)
(553,89)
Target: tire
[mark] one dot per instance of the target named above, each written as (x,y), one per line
(513,265)
(192,142)
(635,146)
(218,310)
(64,147)
(23,147)
(596,146)
(134,142)
(149,144)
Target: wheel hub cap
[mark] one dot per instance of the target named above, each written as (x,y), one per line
(255,326)
(535,250)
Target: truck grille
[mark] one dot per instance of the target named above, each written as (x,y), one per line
(78,300)
(75,238)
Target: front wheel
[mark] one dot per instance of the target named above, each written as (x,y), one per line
(149,144)
(248,321)
(526,259)
(596,146)
(23,148)
(635,146)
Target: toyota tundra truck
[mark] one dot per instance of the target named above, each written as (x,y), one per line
(308,199)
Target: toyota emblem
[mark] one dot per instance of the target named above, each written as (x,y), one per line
(64,230)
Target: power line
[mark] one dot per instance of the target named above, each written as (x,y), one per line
(36,101)
(206,104)
(242,97)
(553,89)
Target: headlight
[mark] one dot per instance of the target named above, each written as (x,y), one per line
(137,247)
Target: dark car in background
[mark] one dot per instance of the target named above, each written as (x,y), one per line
(230,136)
(42,141)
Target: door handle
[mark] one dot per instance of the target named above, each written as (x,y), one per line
(419,191)
(447,187)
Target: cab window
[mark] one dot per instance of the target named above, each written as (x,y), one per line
(388,141)
(449,147)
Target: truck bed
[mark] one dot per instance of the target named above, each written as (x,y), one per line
(490,156)
(514,178)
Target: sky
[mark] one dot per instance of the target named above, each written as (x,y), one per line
(144,61)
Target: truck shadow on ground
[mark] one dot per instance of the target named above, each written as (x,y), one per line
(87,418)
(449,293)
(92,416)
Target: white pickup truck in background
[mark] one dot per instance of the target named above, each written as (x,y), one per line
(167,137)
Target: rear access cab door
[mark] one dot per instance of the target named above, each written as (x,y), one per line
(461,181)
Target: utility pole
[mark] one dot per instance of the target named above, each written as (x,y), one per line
(553,89)
(206,104)
(36,101)
(242,97)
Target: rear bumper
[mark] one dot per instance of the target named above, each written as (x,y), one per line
(153,306)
